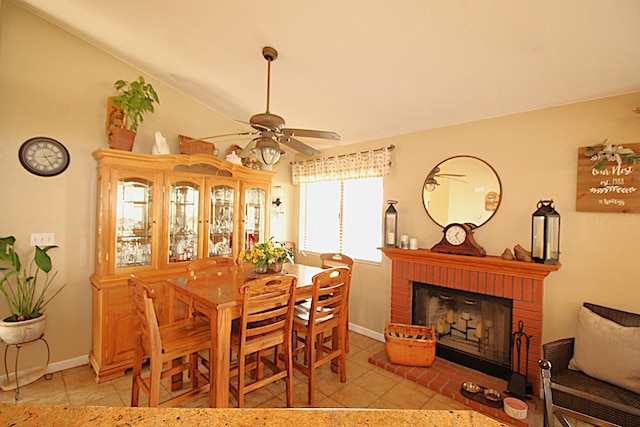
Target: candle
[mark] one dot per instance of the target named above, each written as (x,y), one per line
(449,316)
(479,330)
(440,326)
(466,315)
(414,243)
(404,241)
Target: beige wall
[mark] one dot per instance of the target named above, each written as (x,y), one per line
(53,84)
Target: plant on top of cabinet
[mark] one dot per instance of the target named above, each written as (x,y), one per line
(136,98)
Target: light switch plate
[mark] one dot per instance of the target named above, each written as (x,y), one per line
(42,239)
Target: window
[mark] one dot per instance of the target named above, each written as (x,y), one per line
(342,216)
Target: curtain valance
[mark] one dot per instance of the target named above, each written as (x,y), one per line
(365,164)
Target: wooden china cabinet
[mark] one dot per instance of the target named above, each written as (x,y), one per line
(155,213)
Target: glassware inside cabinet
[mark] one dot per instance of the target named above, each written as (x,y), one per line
(183,222)
(133,223)
(254,220)
(221,221)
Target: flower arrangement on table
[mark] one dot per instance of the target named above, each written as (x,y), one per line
(267,255)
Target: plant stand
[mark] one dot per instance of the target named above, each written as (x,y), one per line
(31,374)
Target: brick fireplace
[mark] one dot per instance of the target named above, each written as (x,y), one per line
(518,281)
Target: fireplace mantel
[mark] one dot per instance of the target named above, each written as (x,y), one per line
(488,264)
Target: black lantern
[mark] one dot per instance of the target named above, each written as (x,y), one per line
(545,233)
(391,225)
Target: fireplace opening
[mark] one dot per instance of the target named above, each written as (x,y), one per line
(472,329)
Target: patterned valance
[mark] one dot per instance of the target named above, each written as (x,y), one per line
(366,164)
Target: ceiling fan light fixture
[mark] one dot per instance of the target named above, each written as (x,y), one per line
(430,184)
(268,150)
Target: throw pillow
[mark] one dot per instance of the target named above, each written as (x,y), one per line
(606,350)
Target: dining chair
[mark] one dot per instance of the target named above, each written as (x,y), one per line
(210,266)
(265,323)
(333,259)
(172,349)
(327,313)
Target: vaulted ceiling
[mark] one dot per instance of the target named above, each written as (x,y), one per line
(370,68)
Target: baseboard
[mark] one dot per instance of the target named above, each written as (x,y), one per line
(366,332)
(68,364)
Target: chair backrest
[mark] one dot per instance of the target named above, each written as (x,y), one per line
(210,266)
(292,247)
(147,332)
(330,260)
(330,295)
(267,310)
(623,318)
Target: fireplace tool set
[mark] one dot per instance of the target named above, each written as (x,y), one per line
(518,385)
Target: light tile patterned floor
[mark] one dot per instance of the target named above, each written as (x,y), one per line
(367,386)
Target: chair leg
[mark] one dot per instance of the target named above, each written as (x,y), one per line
(154,382)
(288,365)
(311,366)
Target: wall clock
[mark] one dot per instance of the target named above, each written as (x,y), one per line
(458,239)
(44,156)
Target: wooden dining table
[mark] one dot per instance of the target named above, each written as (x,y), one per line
(218,297)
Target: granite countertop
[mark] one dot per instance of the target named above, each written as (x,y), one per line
(49,415)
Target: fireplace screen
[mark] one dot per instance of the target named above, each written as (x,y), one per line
(472,329)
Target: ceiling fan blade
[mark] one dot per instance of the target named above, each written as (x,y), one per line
(449,174)
(246,151)
(223,136)
(298,146)
(309,133)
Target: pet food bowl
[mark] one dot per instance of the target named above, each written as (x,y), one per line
(515,408)
(492,395)
(470,387)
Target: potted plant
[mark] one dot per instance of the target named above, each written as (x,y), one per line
(135,99)
(26,291)
(267,256)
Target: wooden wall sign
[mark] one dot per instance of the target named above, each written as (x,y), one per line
(608,178)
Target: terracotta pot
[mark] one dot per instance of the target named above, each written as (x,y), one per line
(21,332)
(122,139)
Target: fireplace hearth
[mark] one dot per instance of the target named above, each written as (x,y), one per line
(472,329)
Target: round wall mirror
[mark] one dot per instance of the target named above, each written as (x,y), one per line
(462,189)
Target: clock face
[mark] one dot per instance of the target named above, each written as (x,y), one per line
(455,235)
(44,156)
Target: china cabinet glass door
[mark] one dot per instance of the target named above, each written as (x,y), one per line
(183,221)
(134,218)
(254,216)
(221,221)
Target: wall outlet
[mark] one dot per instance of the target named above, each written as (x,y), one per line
(42,239)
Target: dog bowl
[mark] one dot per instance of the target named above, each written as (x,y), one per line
(492,395)
(470,387)
(515,408)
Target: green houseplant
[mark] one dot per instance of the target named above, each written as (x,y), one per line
(26,291)
(135,99)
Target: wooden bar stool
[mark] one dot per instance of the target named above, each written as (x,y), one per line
(327,313)
(266,323)
(166,347)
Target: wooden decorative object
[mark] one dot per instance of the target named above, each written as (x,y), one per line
(115,118)
(608,178)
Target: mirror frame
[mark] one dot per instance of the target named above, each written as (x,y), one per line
(432,171)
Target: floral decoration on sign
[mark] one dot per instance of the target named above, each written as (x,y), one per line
(610,153)
(269,253)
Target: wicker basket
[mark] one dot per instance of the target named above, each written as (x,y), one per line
(411,345)
(189,146)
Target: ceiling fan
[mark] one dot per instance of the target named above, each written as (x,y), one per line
(272,131)
(431,183)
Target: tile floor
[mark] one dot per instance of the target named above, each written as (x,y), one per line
(367,386)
